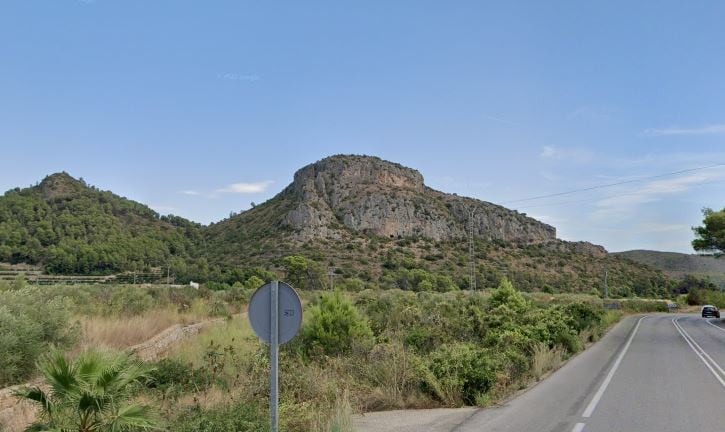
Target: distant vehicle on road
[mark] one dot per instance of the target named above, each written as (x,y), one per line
(710,311)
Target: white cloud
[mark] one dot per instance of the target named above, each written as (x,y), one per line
(191,192)
(658,227)
(714,129)
(551,220)
(500,120)
(577,155)
(624,205)
(592,112)
(246,188)
(548,152)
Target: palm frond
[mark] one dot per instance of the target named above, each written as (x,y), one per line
(134,417)
(37,395)
(60,374)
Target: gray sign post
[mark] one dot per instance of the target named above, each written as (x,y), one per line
(275,313)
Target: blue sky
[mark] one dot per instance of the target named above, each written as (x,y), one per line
(200,108)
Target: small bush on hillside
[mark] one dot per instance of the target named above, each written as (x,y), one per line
(29,323)
(702,297)
(173,376)
(584,315)
(635,305)
(507,295)
(130,300)
(237,417)
(334,326)
(465,372)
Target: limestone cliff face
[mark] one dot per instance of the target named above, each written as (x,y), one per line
(370,195)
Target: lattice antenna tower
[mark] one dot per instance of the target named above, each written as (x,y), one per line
(471,250)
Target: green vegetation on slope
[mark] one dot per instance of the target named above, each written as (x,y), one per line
(72,228)
(679,265)
(357,351)
(377,350)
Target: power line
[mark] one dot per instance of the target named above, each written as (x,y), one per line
(602,197)
(613,184)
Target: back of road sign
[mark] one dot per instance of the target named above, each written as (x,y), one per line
(289,312)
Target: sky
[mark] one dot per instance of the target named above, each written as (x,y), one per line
(201,108)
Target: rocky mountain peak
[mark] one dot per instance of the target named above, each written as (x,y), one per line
(351,171)
(369,195)
(59,185)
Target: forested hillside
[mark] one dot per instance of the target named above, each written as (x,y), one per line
(679,265)
(355,221)
(72,228)
(372,223)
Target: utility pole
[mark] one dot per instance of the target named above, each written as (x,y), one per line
(331,274)
(471,251)
(606,286)
(168,271)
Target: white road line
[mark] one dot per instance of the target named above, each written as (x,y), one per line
(716,326)
(579,427)
(690,343)
(713,362)
(598,395)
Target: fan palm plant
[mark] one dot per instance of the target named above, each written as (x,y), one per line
(90,394)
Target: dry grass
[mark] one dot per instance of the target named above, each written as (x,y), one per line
(124,332)
(236,333)
(340,419)
(545,359)
(16,415)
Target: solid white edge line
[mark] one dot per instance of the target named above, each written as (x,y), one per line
(719,378)
(716,326)
(694,342)
(579,427)
(598,395)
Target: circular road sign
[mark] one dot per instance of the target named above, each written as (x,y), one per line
(289,312)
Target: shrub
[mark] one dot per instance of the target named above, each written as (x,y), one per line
(702,296)
(353,284)
(584,315)
(636,305)
(237,417)
(174,376)
(29,322)
(505,294)
(92,392)
(465,372)
(334,326)
(130,300)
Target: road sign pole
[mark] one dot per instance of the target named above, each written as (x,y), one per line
(274,355)
(275,314)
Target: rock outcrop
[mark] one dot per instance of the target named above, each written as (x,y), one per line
(369,195)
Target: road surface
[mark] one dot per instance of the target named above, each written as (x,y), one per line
(661,373)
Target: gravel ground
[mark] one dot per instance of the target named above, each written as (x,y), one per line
(425,420)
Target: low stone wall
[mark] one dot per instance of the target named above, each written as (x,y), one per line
(158,346)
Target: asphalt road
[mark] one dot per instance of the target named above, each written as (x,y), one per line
(661,373)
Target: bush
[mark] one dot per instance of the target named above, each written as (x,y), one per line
(130,300)
(173,376)
(334,326)
(238,417)
(506,295)
(30,322)
(702,297)
(635,305)
(584,315)
(465,372)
